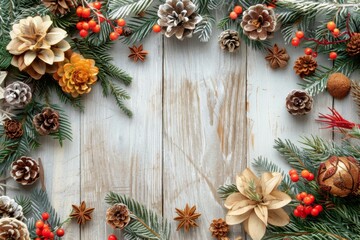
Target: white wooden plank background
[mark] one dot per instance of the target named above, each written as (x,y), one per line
(201,115)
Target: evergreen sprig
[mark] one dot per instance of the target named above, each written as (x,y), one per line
(145,223)
(122,8)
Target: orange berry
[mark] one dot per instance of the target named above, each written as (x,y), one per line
(295,42)
(86,12)
(298,197)
(299,34)
(156,28)
(336,32)
(79,26)
(331,26)
(39,224)
(79,11)
(85,26)
(303,195)
(308,51)
(238,9)
(45,216)
(292,171)
(96,29)
(83,33)
(121,22)
(332,55)
(119,30)
(113,36)
(97,5)
(233,15)
(92,24)
(305,173)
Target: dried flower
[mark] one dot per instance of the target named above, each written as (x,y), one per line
(277,57)
(81,213)
(137,53)
(258,203)
(187,217)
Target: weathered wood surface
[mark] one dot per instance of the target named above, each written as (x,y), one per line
(201,116)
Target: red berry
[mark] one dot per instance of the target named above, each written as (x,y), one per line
(45,216)
(112,237)
(295,42)
(83,33)
(46,232)
(336,32)
(308,51)
(37,238)
(319,208)
(294,177)
(86,12)
(310,177)
(233,15)
(38,232)
(97,5)
(114,36)
(79,26)
(52,235)
(292,171)
(314,54)
(96,29)
(299,34)
(308,210)
(85,26)
(79,11)
(91,24)
(119,30)
(314,212)
(46,226)
(39,224)
(331,26)
(238,9)
(303,215)
(311,197)
(298,197)
(60,232)
(297,213)
(300,208)
(303,195)
(121,22)
(156,28)
(305,173)
(333,55)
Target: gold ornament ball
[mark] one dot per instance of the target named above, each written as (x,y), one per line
(339,176)
(338,85)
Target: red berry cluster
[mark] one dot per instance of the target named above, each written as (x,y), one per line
(307,206)
(112,237)
(44,231)
(236,12)
(294,176)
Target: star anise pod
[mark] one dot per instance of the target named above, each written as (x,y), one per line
(187,218)
(82,213)
(277,57)
(138,53)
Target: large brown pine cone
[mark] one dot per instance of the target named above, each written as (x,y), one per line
(13,129)
(305,66)
(219,228)
(25,170)
(9,208)
(353,46)
(229,40)
(13,229)
(259,22)
(59,7)
(118,216)
(178,17)
(47,121)
(18,94)
(299,102)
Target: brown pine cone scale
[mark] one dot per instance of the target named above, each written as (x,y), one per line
(25,170)
(219,228)
(299,102)
(353,46)
(305,66)
(47,121)
(118,216)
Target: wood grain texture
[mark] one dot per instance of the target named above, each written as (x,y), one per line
(204,128)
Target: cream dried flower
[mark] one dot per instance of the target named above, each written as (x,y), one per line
(258,203)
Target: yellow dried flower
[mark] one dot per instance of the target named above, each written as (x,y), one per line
(77,75)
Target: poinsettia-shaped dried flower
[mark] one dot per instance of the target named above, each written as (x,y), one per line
(277,57)
(137,53)
(258,203)
(187,217)
(36,46)
(81,213)
(77,75)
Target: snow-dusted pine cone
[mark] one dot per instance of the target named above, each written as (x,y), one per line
(9,208)
(13,229)
(229,40)
(18,94)
(25,170)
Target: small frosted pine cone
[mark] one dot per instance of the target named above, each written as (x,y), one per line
(59,7)
(18,94)
(13,129)
(305,66)
(13,229)
(10,209)
(353,46)
(118,216)
(25,170)
(47,121)
(229,40)
(219,228)
(299,102)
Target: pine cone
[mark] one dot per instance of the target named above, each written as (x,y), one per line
(13,229)
(18,94)
(178,17)
(47,121)
(305,66)
(118,216)
(25,170)
(127,31)
(36,46)
(277,57)
(10,209)
(59,7)
(229,40)
(299,102)
(259,22)
(353,46)
(219,228)
(13,129)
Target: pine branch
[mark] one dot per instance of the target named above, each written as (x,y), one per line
(291,153)
(204,28)
(25,203)
(122,8)
(64,132)
(226,190)
(146,224)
